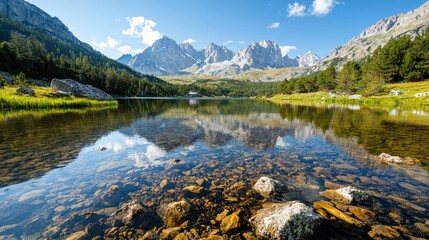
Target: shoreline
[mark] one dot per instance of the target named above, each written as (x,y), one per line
(43,99)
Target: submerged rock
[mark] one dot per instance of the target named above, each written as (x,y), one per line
(25,91)
(78,89)
(390,159)
(230,223)
(291,220)
(383,231)
(267,186)
(192,191)
(135,214)
(176,213)
(329,208)
(353,195)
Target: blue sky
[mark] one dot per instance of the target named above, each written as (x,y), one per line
(116,27)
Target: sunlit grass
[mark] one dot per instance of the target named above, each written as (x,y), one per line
(406,100)
(44,99)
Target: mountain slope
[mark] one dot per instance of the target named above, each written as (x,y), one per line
(124,59)
(413,23)
(34,17)
(308,59)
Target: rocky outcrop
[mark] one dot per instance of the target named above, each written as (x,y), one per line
(291,220)
(78,89)
(267,186)
(308,59)
(214,53)
(34,17)
(25,91)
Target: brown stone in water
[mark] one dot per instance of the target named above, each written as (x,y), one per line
(176,213)
(361,213)
(337,213)
(182,236)
(383,231)
(230,223)
(170,233)
(222,215)
(423,228)
(329,184)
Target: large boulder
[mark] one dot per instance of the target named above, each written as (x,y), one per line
(78,89)
(25,91)
(267,186)
(291,220)
(7,77)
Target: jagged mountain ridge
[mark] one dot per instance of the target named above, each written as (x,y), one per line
(34,17)
(413,23)
(166,57)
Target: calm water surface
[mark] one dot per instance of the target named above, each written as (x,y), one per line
(52,173)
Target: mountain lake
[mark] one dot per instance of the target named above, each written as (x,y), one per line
(71,174)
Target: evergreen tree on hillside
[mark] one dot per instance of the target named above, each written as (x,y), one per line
(348,78)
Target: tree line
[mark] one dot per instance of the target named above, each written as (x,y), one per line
(402,59)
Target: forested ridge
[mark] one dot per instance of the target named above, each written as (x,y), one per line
(402,59)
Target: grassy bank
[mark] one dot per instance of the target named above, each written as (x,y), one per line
(406,99)
(44,99)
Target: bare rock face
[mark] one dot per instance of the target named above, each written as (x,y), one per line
(214,53)
(291,220)
(78,89)
(34,17)
(267,186)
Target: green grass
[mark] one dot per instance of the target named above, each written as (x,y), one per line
(406,100)
(44,99)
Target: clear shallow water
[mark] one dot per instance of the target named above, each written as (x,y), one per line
(52,171)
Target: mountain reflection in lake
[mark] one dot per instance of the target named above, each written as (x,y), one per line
(55,180)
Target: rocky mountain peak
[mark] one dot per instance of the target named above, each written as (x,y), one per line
(214,53)
(34,17)
(308,59)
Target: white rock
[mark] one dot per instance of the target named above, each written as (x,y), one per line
(353,194)
(390,159)
(267,186)
(291,220)
(355,96)
(423,94)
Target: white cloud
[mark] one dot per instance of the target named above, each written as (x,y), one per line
(110,43)
(143,28)
(228,42)
(286,49)
(241,42)
(124,49)
(274,25)
(127,49)
(296,10)
(322,7)
(189,40)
